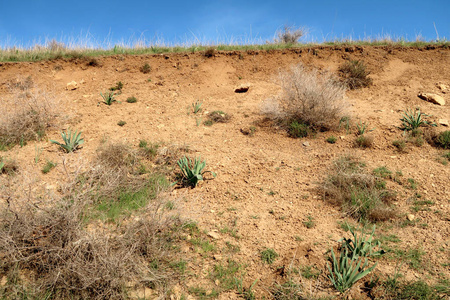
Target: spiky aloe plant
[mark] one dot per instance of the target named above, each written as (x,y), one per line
(413,119)
(108,98)
(192,171)
(348,269)
(72,141)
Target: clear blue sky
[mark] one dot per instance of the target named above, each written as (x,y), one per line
(26,22)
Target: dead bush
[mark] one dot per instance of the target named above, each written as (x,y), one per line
(359,193)
(26,115)
(310,97)
(116,155)
(52,251)
(354,74)
(289,35)
(219,116)
(364,141)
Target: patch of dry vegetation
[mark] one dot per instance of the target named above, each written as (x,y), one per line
(354,74)
(26,115)
(59,250)
(360,194)
(309,97)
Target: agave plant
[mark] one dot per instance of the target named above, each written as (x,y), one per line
(413,119)
(362,245)
(192,171)
(72,141)
(108,97)
(348,269)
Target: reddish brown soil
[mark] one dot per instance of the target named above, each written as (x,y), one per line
(266,184)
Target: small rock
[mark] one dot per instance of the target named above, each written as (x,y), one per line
(410,217)
(433,98)
(306,144)
(217,282)
(243,88)
(213,234)
(443,122)
(217,257)
(342,137)
(443,87)
(72,86)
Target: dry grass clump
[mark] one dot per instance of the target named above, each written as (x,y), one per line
(219,116)
(26,115)
(359,193)
(308,97)
(354,74)
(364,141)
(49,251)
(289,35)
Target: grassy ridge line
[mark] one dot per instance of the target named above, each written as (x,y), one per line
(46,53)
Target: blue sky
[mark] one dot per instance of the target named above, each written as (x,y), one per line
(24,23)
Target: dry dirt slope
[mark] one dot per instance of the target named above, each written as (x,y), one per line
(266,183)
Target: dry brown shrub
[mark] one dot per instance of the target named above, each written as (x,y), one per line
(26,114)
(309,97)
(219,116)
(289,35)
(52,249)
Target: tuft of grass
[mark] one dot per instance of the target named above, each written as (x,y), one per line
(146,68)
(399,144)
(354,73)
(332,139)
(197,106)
(362,127)
(150,150)
(108,98)
(364,141)
(309,97)
(117,87)
(210,52)
(268,256)
(9,167)
(443,139)
(357,191)
(309,223)
(132,99)
(121,123)
(383,172)
(48,166)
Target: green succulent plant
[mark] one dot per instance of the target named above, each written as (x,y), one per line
(72,141)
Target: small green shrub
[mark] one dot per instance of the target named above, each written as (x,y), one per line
(132,99)
(364,141)
(48,166)
(309,223)
(268,256)
(354,74)
(121,123)
(192,171)
(382,172)
(146,68)
(149,150)
(443,139)
(399,144)
(117,87)
(72,141)
(298,130)
(332,139)
(108,98)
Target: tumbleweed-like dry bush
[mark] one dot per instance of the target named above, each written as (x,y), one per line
(26,114)
(308,96)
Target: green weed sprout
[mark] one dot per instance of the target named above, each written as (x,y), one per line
(72,141)
(197,106)
(413,119)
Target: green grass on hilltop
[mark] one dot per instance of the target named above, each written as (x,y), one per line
(39,53)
